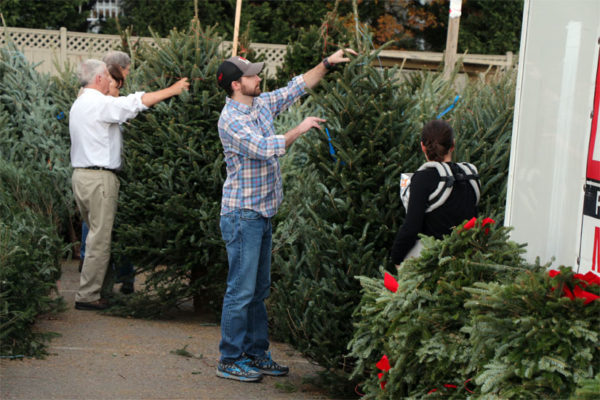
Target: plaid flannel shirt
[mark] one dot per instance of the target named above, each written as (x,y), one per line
(252,150)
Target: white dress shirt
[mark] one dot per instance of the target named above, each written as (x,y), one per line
(96,140)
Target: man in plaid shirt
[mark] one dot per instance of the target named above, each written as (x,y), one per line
(252,193)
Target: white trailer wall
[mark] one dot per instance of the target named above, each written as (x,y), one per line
(555,90)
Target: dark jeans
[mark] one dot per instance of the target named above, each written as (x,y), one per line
(244,325)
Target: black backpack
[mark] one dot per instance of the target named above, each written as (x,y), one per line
(444,188)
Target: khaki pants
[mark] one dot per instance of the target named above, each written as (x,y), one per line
(96,193)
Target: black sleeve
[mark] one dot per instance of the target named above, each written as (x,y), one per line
(421,186)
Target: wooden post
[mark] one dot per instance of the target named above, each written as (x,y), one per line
(62,54)
(236,26)
(452,37)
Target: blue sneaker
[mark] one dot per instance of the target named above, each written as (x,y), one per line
(239,370)
(267,366)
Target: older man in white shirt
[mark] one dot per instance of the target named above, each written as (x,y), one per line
(96,144)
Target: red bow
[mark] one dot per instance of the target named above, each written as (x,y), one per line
(583,280)
(390,283)
(384,365)
(381,383)
(471,224)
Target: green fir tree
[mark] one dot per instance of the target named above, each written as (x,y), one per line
(342,207)
(35,202)
(529,340)
(167,221)
(420,326)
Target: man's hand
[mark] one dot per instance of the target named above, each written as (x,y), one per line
(309,123)
(150,99)
(303,127)
(338,57)
(180,86)
(312,77)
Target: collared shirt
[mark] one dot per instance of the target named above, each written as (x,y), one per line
(252,150)
(94,119)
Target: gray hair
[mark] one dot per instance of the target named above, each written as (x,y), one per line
(117,57)
(89,69)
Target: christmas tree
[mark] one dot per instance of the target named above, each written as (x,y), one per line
(34,203)
(167,221)
(536,337)
(30,255)
(342,207)
(34,131)
(416,322)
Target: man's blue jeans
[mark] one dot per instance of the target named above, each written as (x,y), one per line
(244,325)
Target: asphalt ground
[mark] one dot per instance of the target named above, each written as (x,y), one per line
(103,357)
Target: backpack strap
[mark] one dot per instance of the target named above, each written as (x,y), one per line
(472,175)
(444,188)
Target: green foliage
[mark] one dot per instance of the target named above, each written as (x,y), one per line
(529,341)
(30,252)
(588,389)
(42,15)
(280,21)
(35,201)
(340,215)
(331,219)
(490,27)
(482,122)
(169,205)
(156,16)
(420,327)
(34,132)
(486,27)
(261,17)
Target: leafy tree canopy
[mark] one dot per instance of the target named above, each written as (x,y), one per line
(486,27)
(43,14)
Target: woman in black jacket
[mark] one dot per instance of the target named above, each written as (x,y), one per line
(437,143)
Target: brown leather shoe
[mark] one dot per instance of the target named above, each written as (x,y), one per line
(92,305)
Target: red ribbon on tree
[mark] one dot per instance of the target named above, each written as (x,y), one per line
(470,224)
(384,365)
(381,383)
(447,386)
(473,221)
(581,280)
(390,283)
(589,278)
(485,222)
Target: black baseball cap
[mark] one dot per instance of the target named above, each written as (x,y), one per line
(234,68)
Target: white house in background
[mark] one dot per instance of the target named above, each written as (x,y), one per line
(553,199)
(101,10)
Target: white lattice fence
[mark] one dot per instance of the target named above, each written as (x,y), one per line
(38,46)
(47,46)
(33,38)
(90,43)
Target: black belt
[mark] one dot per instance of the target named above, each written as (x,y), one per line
(114,171)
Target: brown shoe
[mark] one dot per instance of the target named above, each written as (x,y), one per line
(92,305)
